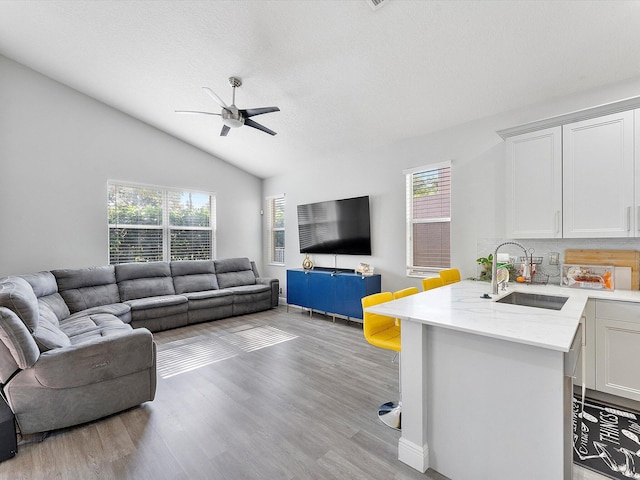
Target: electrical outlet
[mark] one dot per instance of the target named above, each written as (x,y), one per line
(280,291)
(554,258)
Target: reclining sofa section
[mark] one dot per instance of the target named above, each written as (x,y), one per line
(76,344)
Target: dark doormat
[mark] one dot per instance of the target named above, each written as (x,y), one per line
(606,439)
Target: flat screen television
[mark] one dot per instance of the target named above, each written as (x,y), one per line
(335,227)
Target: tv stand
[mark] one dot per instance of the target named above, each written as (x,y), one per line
(332,291)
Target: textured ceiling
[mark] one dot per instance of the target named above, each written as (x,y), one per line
(345,77)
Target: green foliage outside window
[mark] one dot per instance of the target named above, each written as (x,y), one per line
(146,224)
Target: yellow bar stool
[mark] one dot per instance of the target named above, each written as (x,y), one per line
(405,292)
(450,275)
(431,283)
(383,332)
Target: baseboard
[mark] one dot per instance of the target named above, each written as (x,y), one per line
(413,455)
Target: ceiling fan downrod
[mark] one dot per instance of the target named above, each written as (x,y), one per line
(234,82)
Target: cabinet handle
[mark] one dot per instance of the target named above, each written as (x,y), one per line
(557,221)
(628,219)
(638,219)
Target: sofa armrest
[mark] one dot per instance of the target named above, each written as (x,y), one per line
(97,360)
(275,288)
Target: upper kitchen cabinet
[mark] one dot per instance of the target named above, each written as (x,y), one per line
(598,177)
(534,184)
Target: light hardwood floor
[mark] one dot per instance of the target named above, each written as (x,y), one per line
(273,395)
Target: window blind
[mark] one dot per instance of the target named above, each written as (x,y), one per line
(154,223)
(275,229)
(428,219)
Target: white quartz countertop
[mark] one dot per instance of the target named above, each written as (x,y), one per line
(459,306)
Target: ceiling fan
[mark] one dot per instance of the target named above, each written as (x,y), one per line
(232,116)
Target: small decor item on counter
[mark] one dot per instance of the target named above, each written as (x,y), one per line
(365,269)
(502,276)
(307,264)
(485,267)
(529,266)
(587,276)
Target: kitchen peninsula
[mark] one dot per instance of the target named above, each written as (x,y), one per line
(486,386)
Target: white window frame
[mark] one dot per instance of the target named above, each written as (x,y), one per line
(274,257)
(166,227)
(413,270)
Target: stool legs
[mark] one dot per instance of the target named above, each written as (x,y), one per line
(390,413)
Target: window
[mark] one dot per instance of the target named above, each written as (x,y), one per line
(275,229)
(428,218)
(149,223)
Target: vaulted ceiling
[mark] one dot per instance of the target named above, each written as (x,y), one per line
(344,75)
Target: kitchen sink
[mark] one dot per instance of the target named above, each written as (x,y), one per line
(550,302)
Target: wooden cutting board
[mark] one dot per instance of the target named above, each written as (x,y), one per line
(616,258)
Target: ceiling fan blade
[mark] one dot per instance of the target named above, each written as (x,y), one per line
(193,111)
(225,130)
(251,112)
(215,97)
(253,124)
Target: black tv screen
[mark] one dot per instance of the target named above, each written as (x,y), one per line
(335,227)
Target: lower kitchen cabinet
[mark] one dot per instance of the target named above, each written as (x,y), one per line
(617,348)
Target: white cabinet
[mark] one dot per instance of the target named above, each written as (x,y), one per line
(598,177)
(534,184)
(617,352)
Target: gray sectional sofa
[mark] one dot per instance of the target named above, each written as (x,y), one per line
(76,344)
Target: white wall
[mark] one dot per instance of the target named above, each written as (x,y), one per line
(58,149)
(478,213)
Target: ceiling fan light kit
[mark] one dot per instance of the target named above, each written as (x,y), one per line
(232,116)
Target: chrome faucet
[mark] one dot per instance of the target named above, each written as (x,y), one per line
(494,265)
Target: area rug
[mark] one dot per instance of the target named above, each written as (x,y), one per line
(606,439)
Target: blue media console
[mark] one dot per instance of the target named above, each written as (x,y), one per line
(333,292)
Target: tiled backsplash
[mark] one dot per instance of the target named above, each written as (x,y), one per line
(542,248)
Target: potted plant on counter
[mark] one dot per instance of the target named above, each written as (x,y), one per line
(485,267)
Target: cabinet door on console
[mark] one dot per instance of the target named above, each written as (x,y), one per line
(350,289)
(297,288)
(322,291)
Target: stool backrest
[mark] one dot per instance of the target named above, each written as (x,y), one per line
(431,283)
(450,275)
(373,323)
(405,292)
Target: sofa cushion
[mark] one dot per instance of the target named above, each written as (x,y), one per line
(250,289)
(232,272)
(120,310)
(85,288)
(208,294)
(156,302)
(56,304)
(48,334)
(209,299)
(251,294)
(193,275)
(17,338)
(82,328)
(142,280)
(45,289)
(192,267)
(17,295)
(42,283)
